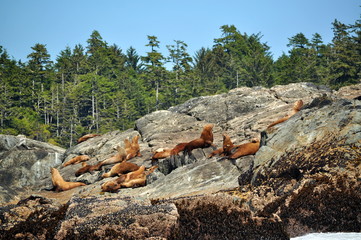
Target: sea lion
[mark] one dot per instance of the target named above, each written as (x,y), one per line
(88,168)
(164,153)
(59,183)
(135,145)
(296,108)
(161,153)
(119,157)
(178,148)
(77,159)
(133,179)
(245,149)
(205,141)
(225,150)
(113,185)
(127,144)
(87,136)
(121,168)
(207,133)
(132,148)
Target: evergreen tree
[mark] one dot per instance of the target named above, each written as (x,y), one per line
(42,76)
(79,60)
(97,50)
(345,57)
(248,61)
(133,60)
(40,66)
(282,71)
(179,84)
(155,71)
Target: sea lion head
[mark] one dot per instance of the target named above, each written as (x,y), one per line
(135,139)
(110,186)
(298,105)
(226,141)
(208,126)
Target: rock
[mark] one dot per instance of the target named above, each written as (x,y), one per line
(311,158)
(313,125)
(24,163)
(203,176)
(310,169)
(223,217)
(349,92)
(317,191)
(35,217)
(125,217)
(112,217)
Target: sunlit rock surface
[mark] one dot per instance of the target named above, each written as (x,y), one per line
(305,177)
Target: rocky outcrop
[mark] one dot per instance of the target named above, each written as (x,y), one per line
(131,218)
(114,217)
(306,169)
(24,163)
(35,217)
(315,188)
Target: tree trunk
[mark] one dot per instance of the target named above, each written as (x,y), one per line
(156,96)
(71,132)
(237,79)
(97,114)
(57,110)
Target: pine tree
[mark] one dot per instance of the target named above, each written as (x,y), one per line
(155,71)
(345,56)
(179,84)
(133,60)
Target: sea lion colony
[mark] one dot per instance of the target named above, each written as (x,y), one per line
(132,175)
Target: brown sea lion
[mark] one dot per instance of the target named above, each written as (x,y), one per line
(59,183)
(164,153)
(121,168)
(226,148)
(133,179)
(127,144)
(132,148)
(114,185)
(77,159)
(161,153)
(135,145)
(207,133)
(205,141)
(296,108)
(119,157)
(87,136)
(178,148)
(88,168)
(246,149)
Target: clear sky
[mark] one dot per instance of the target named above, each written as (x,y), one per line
(58,24)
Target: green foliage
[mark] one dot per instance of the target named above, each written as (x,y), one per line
(98,88)
(25,121)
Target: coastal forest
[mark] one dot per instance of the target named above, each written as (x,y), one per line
(100,87)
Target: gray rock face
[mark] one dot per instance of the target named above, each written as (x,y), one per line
(24,163)
(340,118)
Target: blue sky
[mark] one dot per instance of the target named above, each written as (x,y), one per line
(58,24)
